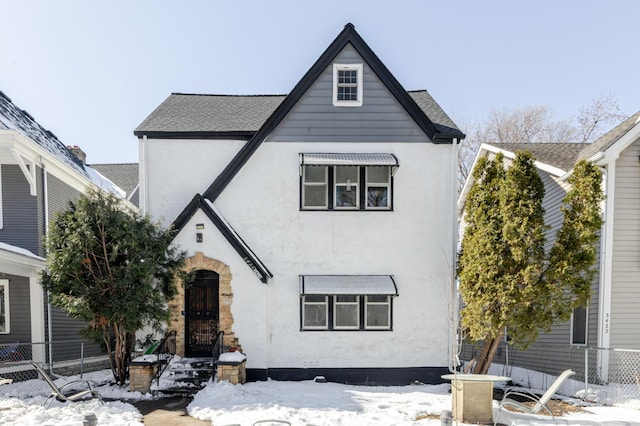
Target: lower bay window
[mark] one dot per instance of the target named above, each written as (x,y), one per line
(338,303)
(346,312)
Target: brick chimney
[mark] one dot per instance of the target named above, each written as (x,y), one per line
(78,152)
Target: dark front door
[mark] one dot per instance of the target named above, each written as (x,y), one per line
(201,314)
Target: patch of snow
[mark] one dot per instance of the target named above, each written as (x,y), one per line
(19,412)
(300,403)
(232,357)
(146,358)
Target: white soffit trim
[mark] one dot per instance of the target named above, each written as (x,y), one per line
(348,159)
(348,284)
(542,166)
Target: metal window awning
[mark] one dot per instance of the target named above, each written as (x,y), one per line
(348,284)
(352,159)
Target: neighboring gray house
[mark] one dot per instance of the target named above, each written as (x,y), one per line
(38,177)
(612,319)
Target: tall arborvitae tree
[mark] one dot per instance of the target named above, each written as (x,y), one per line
(112,268)
(507,281)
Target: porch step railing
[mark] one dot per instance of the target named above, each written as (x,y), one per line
(165,351)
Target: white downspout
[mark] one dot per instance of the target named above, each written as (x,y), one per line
(143,175)
(453,310)
(45,205)
(606,263)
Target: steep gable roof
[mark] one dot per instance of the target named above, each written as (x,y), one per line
(14,118)
(443,134)
(200,203)
(608,139)
(255,117)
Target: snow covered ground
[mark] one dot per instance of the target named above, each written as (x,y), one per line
(300,403)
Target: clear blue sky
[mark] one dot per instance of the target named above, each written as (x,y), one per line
(91,71)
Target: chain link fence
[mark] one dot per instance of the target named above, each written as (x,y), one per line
(607,376)
(18,378)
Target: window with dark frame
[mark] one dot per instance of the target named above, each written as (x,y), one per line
(579,326)
(345,312)
(315,310)
(346,188)
(4,306)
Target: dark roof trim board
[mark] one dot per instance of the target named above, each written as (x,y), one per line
(241,135)
(348,35)
(250,258)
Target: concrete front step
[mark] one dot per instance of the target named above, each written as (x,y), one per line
(187,376)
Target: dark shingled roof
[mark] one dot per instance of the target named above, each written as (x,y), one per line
(565,155)
(125,175)
(14,118)
(431,108)
(561,155)
(182,112)
(605,141)
(245,114)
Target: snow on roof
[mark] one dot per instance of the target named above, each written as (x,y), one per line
(19,250)
(14,118)
(19,120)
(103,183)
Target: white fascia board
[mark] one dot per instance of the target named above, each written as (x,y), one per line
(17,261)
(540,165)
(30,151)
(486,148)
(462,199)
(614,151)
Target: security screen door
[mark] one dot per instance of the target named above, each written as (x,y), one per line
(201,314)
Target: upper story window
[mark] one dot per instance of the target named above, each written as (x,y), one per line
(347,181)
(347,85)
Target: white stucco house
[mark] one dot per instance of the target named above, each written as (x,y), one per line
(320,224)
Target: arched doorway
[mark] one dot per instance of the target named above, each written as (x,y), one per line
(202,313)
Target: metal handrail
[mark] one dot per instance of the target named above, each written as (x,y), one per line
(218,346)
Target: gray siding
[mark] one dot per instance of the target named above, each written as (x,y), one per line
(64,327)
(59,195)
(19,310)
(19,209)
(625,292)
(380,119)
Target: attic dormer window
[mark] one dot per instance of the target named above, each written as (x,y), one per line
(347,85)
